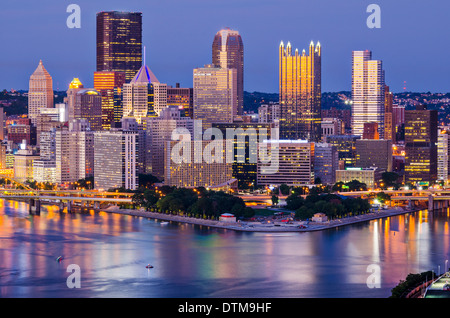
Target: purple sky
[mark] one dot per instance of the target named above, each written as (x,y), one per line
(413,42)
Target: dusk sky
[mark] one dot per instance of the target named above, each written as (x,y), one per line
(413,42)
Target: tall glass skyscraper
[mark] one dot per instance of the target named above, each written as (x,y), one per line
(368,92)
(300,93)
(119,42)
(228,52)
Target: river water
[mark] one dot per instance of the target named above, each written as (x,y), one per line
(111,252)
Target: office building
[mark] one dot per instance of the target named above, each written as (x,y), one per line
(244,138)
(346,147)
(144,96)
(215,90)
(211,170)
(443,155)
(23,164)
(116,159)
(288,162)
(369,176)
(74,152)
(40,93)
(119,42)
(332,126)
(389,129)
(368,93)
(300,93)
(269,113)
(228,53)
(326,162)
(374,153)
(109,85)
(370,131)
(421,131)
(183,98)
(158,131)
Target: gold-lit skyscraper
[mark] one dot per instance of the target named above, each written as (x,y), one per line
(368,93)
(300,93)
(40,94)
(228,52)
(119,42)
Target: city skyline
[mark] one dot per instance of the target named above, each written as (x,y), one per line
(344,32)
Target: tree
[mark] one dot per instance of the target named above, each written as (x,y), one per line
(390,179)
(383,197)
(284,189)
(275,200)
(294,202)
(304,213)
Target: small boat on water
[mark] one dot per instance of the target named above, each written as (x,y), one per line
(164,223)
(149,266)
(59,259)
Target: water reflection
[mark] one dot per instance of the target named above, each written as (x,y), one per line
(197,261)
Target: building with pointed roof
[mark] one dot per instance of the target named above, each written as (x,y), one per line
(144,95)
(40,94)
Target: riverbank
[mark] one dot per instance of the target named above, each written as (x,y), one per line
(274,226)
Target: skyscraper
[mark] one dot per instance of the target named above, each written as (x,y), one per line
(421,137)
(40,94)
(215,90)
(119,42)
(144,96)
(300,93)
(108,84)
(228,52)
(368,92)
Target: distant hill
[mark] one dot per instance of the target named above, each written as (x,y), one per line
(253,100)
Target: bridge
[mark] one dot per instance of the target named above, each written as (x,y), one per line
(65,198)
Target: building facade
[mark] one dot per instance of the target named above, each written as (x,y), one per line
(215,90)
(119,42)
(421,137)
(228,53)
(368,92)
(40,93)
(300,93)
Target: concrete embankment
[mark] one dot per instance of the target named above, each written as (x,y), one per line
(263,227)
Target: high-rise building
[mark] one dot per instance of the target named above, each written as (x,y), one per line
(374,153)
(245,138)
(421,131)
(158,131)
(389,129)
(74,152)
(88,105)
(269,113)
(119,42)
(144,96)
(370,131)
(228,52)
(346,147)
(215,90)
(288,162)
(368,92)
(443,155)
(208,172)
(40,94)
(109,85)
(300,93)
(182,97)
(326,162)
(116,159)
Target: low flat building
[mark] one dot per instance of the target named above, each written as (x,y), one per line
(369,176)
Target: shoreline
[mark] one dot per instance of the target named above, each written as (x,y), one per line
(258,227)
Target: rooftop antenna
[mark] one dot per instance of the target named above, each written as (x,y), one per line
(144,56)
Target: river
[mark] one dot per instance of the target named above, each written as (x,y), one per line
(111,252)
